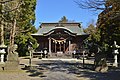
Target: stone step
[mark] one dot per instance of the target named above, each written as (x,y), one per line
(60,56)
(62,59)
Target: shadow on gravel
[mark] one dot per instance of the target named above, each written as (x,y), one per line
(34,71)
(72,68)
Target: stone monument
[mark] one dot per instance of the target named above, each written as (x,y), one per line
(12,62)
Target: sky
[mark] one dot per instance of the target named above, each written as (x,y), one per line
(54,10)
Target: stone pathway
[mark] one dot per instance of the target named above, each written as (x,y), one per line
(69,70)
(58,70)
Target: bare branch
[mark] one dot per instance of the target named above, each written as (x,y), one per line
(91,4)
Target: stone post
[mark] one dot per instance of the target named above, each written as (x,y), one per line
(30,59)
(83,58)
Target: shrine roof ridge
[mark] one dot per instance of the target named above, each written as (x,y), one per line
(60,24)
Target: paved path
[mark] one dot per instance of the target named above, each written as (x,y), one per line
(58,70)
(68,70)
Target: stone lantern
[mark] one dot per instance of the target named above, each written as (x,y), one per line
(115,53)
(45,52)
(74,52)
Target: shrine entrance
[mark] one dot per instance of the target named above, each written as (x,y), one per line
(59,45)
(60,40)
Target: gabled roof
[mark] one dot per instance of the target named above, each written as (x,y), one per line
(74,28)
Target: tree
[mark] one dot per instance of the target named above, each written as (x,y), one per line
(93,38)
(94,35)
(63,20)
(9,7)
(91,4)
(96,4)
(107,24)
(20,19)
(26,27)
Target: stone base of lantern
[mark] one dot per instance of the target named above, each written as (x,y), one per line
(2,65)
(115,64)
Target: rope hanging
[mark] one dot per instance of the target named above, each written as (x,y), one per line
(59,41)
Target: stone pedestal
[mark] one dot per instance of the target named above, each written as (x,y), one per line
(2,65)
(12,66)
(12,63)
(115,64)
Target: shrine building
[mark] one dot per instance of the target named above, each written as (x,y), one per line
(60,37)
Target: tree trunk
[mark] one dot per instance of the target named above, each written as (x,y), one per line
(2,33)
(12,35)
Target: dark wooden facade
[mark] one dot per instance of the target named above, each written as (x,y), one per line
(60,37)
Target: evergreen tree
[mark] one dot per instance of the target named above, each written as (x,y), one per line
(63,20)
(108,20)
(26,28)
(92,30)
(20,17)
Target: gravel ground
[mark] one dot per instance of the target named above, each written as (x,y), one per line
(58,70)
(55,70)
(13,76)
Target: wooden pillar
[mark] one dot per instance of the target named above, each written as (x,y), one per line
(69,46)
(60,46)
(64,46)
(49,45)
(55,47)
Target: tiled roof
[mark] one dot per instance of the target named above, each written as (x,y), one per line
(71,28)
